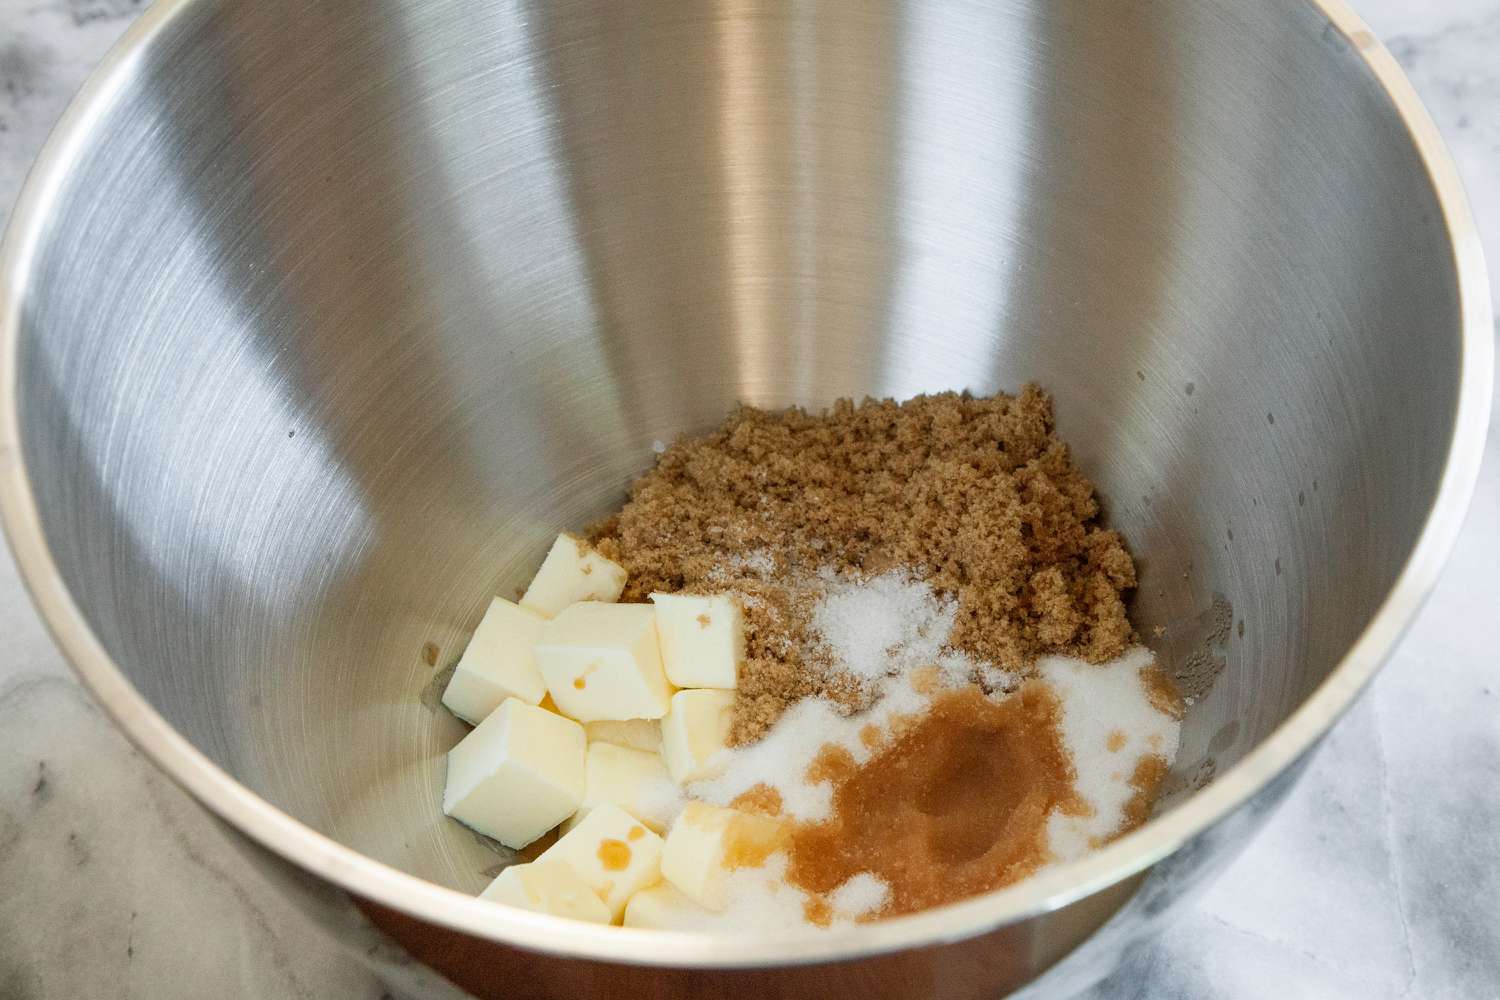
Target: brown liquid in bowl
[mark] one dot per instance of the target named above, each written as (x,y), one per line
(954,805)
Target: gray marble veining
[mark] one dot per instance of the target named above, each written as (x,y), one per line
(1376,880)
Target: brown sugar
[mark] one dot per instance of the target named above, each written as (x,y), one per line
(977,497)
(955,805)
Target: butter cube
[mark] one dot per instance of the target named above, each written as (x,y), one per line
(497,664)
(602,661)
(695,728)
(572,572)
(702,639)
(517,775)
(633,734)
(613,852)
(548,887)
(634,780)
(708,842)
(663,907)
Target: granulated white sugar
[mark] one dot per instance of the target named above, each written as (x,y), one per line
(759,899)
(781,758)
(1097,700)
(1103,706)
(660,801)
(762,898)
(883,625)
(997,681)
(863,893)
(885,630)
(756,565)
(957,669)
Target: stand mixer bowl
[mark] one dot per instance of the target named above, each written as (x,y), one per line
(318,321)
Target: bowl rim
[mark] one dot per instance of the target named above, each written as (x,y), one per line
(1051,890)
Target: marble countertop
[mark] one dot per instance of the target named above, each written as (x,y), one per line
(1376,880)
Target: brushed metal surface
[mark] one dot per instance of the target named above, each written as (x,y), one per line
(320,319)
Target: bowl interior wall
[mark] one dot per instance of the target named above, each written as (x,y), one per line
(344,310)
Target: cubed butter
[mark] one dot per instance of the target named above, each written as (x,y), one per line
(695,728)
(708,842)
(634,734)
(602,661)
(614,852)
(663,907)
(517,775)
(548,887)
(572,572)
(634,780)
(497,664)
(702,639)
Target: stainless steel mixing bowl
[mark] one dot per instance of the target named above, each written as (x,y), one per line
(320,319)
